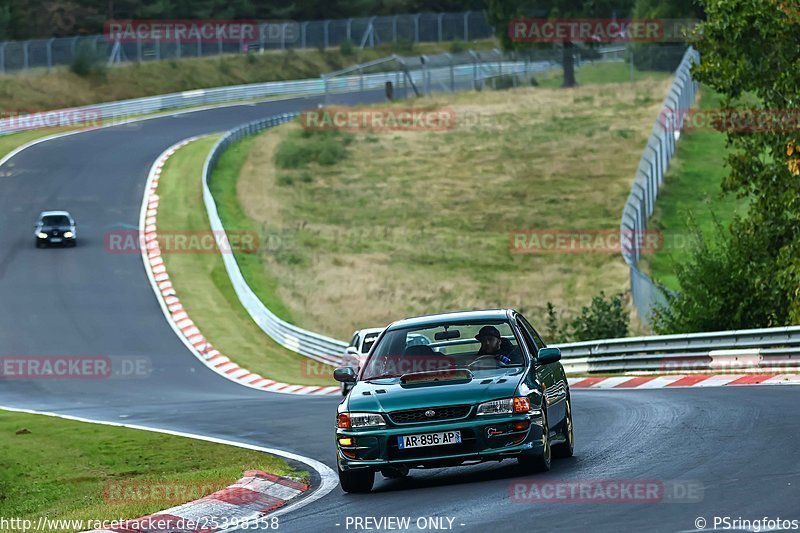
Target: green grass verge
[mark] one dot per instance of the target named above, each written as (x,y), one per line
(63,469)
(692,190)
(600,73)
(200,279)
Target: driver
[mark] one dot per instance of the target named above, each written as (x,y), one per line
(492,343)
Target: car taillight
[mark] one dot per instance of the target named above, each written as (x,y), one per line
(522,404)
(343,421)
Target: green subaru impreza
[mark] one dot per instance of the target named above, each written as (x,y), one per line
(451,389)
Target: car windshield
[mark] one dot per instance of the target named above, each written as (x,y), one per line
(55,220)
(445,346)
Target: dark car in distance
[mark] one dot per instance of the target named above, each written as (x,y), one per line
(484,388)
(55,227)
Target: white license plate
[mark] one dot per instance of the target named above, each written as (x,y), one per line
(55,239)
(429,439)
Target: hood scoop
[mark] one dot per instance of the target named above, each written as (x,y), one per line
(435,377)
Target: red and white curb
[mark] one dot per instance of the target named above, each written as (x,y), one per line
(174,310)
(692,380)
(251,498)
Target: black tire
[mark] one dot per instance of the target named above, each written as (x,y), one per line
(567,448)
(539,462)
(356,481)
(38,244)
(72,244)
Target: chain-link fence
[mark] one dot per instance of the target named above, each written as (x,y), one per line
(364,32)
(649,178)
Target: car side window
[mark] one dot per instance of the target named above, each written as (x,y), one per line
(527,339)
(532,332)
(354,340)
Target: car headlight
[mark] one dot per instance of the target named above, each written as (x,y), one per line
(506,406)
(497,407)
(359,420)
(68,235)
(41,235)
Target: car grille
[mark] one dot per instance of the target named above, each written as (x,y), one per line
(415,416)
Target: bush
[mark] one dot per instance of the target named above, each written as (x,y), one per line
(303,147)
(457,47)
(87,62)
(728,282)
(347,48)
(602,319)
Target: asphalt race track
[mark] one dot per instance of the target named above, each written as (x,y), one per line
(739,444)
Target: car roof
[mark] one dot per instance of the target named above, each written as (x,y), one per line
(54,213)
(368,331)
(455,316)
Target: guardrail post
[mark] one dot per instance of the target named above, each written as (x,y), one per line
(50,53)
(361,79)
(325,86)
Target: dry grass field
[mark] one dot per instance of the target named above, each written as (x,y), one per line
(419,221)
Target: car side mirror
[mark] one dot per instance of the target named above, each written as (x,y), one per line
(548,355)
(345,374)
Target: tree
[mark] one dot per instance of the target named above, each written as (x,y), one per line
(749,55)
(665,56)
(502,12)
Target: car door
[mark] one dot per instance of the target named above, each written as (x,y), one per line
(550,376)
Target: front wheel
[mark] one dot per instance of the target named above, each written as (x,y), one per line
(566,448)
(541,461)
(357,481)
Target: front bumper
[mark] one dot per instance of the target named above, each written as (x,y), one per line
(55,239)
(377,448)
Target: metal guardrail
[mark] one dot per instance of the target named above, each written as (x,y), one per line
(649,177)
(749,350)
(294,338)
(364,32)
